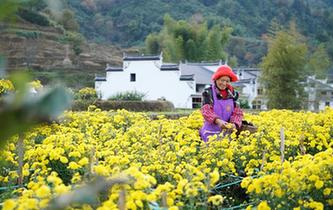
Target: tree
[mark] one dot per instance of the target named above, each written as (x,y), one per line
(8,9)
(209,2)
(35,5)
(215,44)
(191,50)
(179,49)
(232,61)
(319,62)
(152,44)
(181,40)
(283,69)
(68,20)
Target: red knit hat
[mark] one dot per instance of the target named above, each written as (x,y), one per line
(225,70)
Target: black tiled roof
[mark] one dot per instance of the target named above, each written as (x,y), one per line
(201,74)
(111,68)
(170,67)
(323,85)
(187,77)
(245,81)
(141,58)
(100,78)
(203,64)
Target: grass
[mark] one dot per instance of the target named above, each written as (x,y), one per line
(69,78)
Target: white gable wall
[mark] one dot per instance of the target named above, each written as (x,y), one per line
(151,81)
(168,85)
(212,68)
(100,87)
(251,90)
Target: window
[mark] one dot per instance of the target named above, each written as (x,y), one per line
(256,105)
(133,78)
(323,93)
(196,103)
(327,103)
(259,91)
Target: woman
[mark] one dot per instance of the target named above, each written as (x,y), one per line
(220,110)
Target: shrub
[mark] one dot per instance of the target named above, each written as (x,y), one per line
(81,105)
(75,39)
(29,34)
(33,17)
(83,98)
(128,96)
(135,105)
(87,93)
(244,104)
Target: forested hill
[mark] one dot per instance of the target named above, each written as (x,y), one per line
(128,22)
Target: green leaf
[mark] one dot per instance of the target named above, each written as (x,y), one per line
(51,104)
(20,81)
(31,110)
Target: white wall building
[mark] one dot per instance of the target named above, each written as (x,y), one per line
(183,84)
(148,75)
(250,87)
(320,93)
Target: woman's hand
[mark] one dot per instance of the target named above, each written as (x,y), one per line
(221,123)
(230,126)
(224,125)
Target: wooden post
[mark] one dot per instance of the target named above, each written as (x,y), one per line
(301,145)
(122,199)
(91,160)
(282,144)
(91,163)
(164,200)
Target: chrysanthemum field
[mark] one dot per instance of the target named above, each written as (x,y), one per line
(169,166)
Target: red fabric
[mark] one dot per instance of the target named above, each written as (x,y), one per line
(230,88)
(224,92)
(225,70)
(209,115)
(237,117)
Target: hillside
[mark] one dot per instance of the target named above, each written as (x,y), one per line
(128,22)
(43,49)
(91,33)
